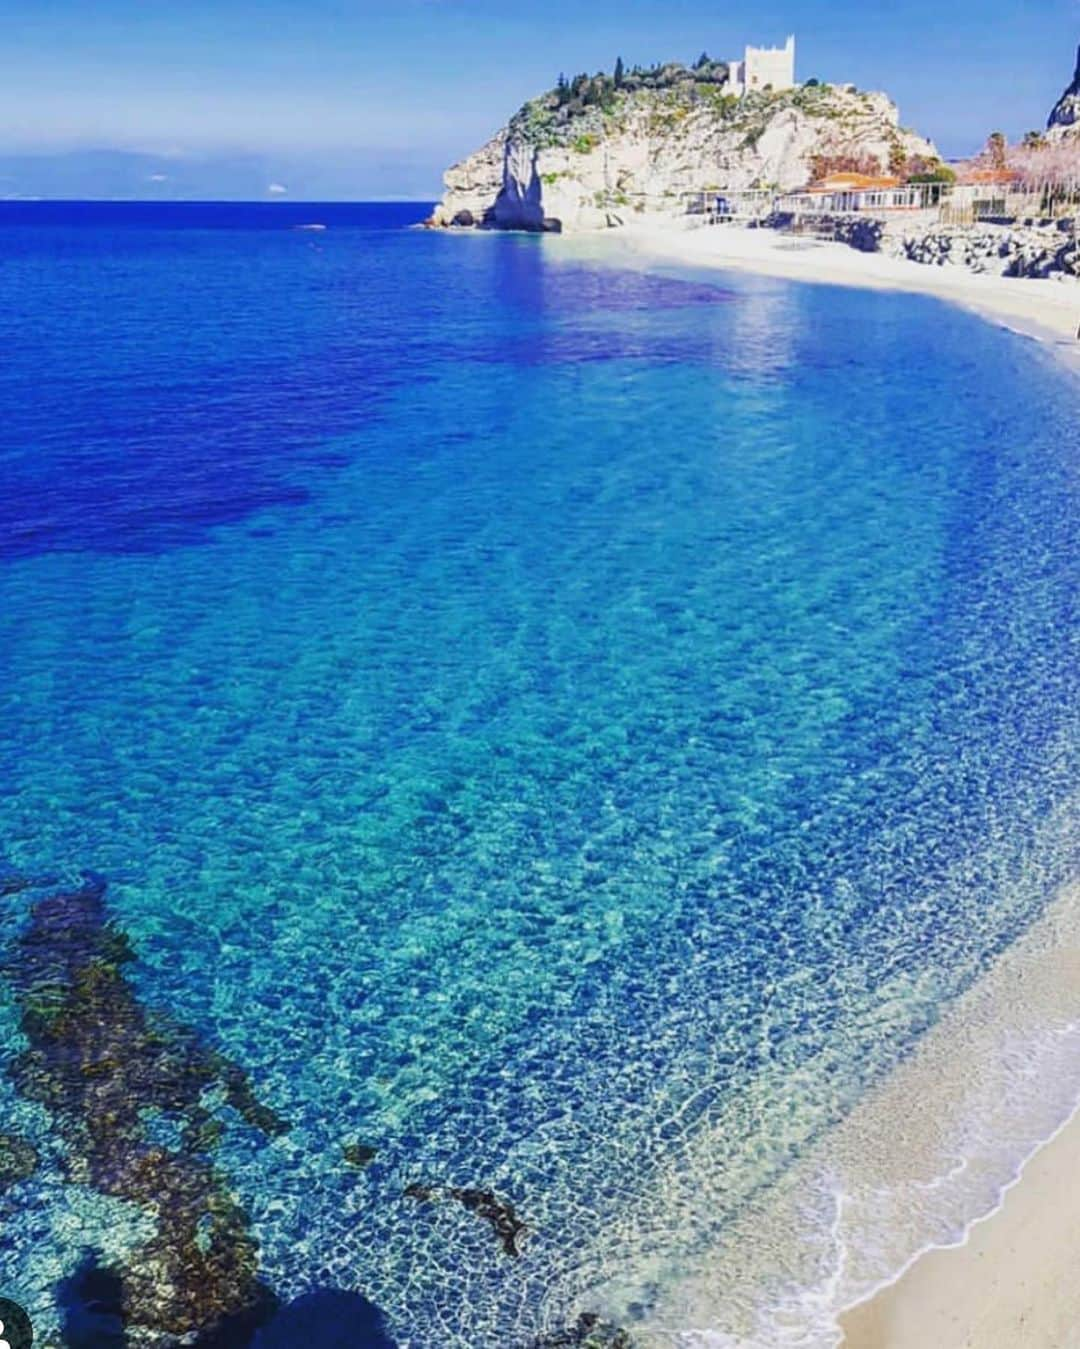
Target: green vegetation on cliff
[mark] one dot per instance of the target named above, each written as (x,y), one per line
(587,106)
(580,112)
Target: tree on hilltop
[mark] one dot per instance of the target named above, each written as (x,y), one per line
(620,73)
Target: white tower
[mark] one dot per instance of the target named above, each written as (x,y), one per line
(764,67)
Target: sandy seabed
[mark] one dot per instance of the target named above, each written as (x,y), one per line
(1004,1276)
(1048,310)
(1009,1281)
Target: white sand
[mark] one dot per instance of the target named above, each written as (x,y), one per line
(1012,1283)
(926,1187)
(1013,1280)
(1048,310)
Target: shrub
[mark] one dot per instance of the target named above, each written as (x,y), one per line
(822,165)
(921,170)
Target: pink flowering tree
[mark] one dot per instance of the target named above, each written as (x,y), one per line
(1050,170)
(1047,171)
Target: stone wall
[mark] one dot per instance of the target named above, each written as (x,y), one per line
(862,232)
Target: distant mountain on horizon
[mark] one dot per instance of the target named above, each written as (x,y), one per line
(119,174)
(104,174)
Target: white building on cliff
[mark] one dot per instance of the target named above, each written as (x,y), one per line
(762,67)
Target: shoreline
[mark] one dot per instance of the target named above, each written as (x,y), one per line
(925,1238)
(1005,1278)
(993,1268)
(1004,1284)
(1047,310)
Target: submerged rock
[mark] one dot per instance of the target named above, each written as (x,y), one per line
(18,1160)
(423,1194)
(504,1222)
(359,1154)
(589,1332)
(105,1066)
(92,1313)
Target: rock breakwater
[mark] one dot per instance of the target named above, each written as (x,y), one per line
(1049,249)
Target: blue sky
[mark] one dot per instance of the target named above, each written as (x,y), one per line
(372,98)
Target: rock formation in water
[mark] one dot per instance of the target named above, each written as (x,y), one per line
(504,1222)
(1065,118)
(603,152)
(109,1070)
(589,1332)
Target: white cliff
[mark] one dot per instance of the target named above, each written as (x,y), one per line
(644,147)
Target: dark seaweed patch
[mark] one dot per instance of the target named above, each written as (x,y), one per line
(589,1332)
(18,1160)
(504,1222)
(359,1154)
(103,1065)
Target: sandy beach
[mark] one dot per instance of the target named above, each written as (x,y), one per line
(1009,1282)
(1005,1276)
(954,1186)
(1048,310)
(1011,1285)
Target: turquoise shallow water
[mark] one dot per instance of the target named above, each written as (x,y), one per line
(607,709)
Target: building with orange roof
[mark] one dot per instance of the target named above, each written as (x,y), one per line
(988,177)
(847,192)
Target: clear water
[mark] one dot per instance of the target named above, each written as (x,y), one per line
(565,728)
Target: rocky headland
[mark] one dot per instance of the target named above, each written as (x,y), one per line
(1064,121)
(604,151)
(651,147)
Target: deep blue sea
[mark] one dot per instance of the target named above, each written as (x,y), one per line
(551,734)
